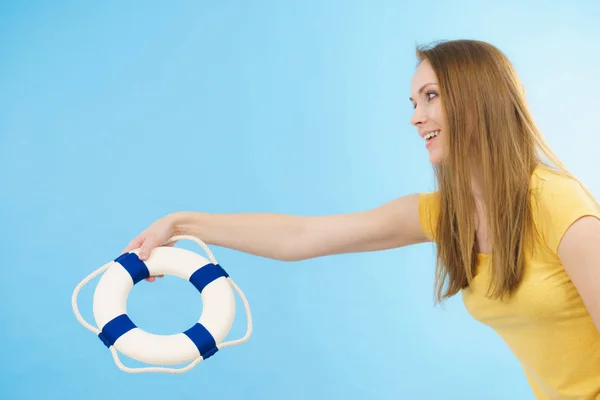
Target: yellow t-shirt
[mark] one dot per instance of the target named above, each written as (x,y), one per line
(545,323)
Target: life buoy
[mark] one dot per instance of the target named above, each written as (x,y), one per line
(202,340)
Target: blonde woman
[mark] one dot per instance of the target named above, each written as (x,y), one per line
(516,235)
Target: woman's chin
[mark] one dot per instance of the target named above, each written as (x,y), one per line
(435,157)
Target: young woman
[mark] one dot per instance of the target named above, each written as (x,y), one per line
(517,237)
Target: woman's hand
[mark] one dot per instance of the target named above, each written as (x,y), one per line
(153,236)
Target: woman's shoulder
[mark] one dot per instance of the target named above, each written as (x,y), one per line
(558,200)
(551,184)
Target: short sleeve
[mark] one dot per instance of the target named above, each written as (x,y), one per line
(562,201)
(429,209)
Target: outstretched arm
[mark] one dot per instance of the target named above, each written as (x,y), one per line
(293,238)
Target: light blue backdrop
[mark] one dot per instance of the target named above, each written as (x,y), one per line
(113,114)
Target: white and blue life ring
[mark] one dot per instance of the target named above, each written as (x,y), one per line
(202,340)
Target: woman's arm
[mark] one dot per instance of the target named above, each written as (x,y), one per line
(293,238)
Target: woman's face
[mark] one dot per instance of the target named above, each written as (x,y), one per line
(429,115)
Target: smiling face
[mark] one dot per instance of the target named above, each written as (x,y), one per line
(429,114)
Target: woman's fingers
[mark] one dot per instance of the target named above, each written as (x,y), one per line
(134,244)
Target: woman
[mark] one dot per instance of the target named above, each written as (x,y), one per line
(517,238)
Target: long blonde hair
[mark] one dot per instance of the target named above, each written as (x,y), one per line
(489,126)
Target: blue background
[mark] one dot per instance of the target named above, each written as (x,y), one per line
(114,114)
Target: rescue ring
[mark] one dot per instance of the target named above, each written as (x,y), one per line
(202,340)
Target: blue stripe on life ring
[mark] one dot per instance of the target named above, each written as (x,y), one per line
(206,274)
(137,268)
(115,328)
(203,340)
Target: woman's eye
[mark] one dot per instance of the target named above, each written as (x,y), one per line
(429,97)
(430,93)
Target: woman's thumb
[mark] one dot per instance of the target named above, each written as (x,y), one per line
(146,249)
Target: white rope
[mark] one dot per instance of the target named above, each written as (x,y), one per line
(188,367)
